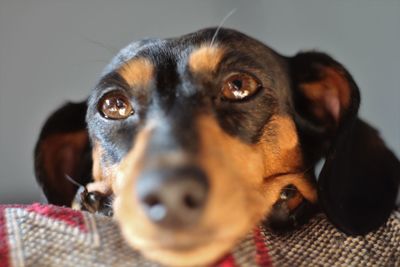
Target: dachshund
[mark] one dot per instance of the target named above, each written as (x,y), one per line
(190,142)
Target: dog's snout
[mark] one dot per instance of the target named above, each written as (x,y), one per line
(173,198)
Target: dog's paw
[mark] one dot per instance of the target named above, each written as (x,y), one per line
(93,201)
(290,211)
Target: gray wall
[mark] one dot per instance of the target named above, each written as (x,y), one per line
(52,51)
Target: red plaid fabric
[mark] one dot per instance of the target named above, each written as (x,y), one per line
(46,235)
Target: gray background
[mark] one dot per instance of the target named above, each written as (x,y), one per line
(52,51)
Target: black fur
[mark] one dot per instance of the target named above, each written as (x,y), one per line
(359,181)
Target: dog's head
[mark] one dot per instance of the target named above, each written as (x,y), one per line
(197,138)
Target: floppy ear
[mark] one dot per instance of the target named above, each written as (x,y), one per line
(63,149)
(359,181)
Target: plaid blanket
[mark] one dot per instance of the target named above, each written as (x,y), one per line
(45,235)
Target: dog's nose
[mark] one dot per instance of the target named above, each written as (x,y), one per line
(173,198)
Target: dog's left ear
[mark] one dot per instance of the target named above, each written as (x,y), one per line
(358,184)
(63,149)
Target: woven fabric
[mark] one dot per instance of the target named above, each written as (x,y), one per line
(45,235)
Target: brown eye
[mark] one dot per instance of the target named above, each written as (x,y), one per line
(115,106)
(238,86)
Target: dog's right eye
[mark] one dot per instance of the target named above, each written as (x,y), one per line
(115,106)
(239,86)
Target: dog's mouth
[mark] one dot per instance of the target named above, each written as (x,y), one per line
(180,247)
(192,248)
(193,211)
(199,243)
(170,242)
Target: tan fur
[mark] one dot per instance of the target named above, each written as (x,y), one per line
(294,201)
(97,170)
(103,173)
(239,186)
(281,152)
(213,235)
(205,59)
(137,72)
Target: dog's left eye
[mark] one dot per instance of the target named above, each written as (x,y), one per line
(238,86)
(115,106)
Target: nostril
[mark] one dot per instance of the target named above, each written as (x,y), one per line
(156,210)
(151,200)
(173,198)
(191,202)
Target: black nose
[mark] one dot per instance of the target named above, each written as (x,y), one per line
(173,198)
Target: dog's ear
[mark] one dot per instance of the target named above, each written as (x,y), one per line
(358,183)
(63,149)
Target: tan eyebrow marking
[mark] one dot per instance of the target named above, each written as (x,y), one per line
(137,72)
(205,59)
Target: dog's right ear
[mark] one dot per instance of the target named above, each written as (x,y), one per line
(63,149)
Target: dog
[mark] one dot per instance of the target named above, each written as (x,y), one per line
(193,141)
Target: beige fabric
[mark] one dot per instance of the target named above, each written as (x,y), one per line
(54,236)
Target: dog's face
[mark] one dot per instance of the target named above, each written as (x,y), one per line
(197,139)
(184,129)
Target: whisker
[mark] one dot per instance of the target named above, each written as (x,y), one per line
(110,205)
(110,49)
(220,25)
(72,180)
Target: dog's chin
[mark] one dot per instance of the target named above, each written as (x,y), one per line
(198,246)
(181,254)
